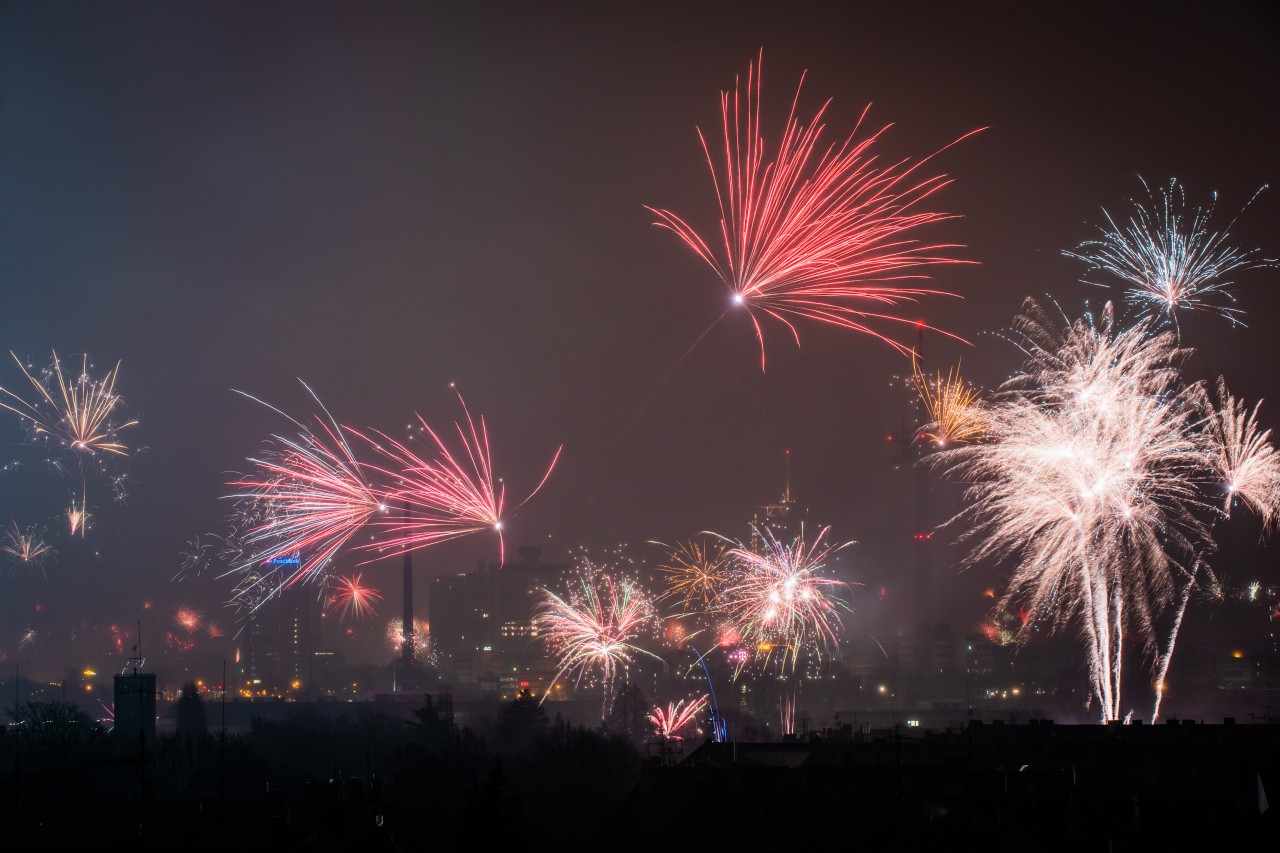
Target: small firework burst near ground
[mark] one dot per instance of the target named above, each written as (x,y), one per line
(593,631)
(423,649)
(811,230)
(678,716)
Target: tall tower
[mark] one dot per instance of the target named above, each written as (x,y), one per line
(783,518)
(908,452)
(135,703)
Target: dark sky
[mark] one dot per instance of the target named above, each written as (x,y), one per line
(384,198)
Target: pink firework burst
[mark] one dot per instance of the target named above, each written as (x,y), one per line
(779,601)
(814,231)
(187,619)
(307,497)
(349,597)
(1243,456)
(445,494)
(676,717)
(593,631)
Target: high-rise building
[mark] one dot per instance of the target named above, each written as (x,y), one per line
(979,655)
(521,658)
(135,709)
(297,623)
(460,611)
(281,636)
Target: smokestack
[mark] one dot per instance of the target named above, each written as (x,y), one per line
(406,629)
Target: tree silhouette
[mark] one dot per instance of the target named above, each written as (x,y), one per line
(192,721)
(521,722)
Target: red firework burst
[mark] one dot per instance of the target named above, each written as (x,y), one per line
(817,232)
(351,598)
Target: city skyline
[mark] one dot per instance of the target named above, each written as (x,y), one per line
(384,206)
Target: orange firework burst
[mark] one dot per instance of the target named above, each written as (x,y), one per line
(76,413)
(349,597)
(953,405)
(78,518)
(696,572)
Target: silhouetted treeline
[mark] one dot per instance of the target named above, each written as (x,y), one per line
(317,781)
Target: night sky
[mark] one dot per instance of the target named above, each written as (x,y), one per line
(382,199)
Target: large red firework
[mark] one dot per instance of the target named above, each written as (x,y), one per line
(814,232)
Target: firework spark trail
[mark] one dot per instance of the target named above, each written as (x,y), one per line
(1162,662)
(1170,256)
(676,717)
(953,406)
(778,599)
(787,704)
(448,495)
(27,638)
(815,232)
(78,518)
(696,572)
(592,631)
(349,597)
(1243,456)
(25,547)
(194,559)
(307,498)
(1092,483)
(77,414)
